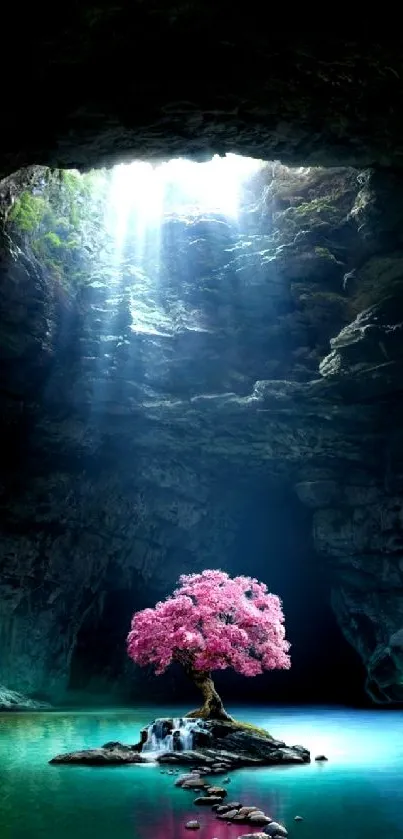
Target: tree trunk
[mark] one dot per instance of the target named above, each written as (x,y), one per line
(213,708)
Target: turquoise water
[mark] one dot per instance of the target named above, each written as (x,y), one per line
(358,794)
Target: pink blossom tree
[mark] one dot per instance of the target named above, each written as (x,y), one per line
(212,622)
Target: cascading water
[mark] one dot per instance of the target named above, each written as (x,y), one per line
(173,735)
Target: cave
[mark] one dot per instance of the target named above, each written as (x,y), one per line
(201,367)
(199,385)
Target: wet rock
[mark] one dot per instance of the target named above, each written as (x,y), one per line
(234,746)
(259,819)
(298,818)
(186,778)
(321,758)
(233,805)
(275,829)
(192,825)
(228,815)
(219,791)
(10,700)
(194,783)
(101,757)
(246,744)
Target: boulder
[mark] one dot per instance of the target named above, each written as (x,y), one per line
(103,756)
(275,829)
(11,700)
(233,805)
(220,791)
(193,783)
(228,815)
(187,776)
(259,819)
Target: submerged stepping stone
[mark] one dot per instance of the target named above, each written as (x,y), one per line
(259,819)
(221,808)
(233,805)
(220,791)
(192,825)
(207,800)
(228,815)
(275,829)
(194,783)
(298,819)
(183,779)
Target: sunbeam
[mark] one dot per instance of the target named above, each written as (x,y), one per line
(141,193)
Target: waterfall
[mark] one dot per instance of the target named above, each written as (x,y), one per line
(170,735)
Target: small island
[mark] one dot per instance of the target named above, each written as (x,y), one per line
(211,622)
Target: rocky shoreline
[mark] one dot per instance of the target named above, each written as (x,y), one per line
(11,700)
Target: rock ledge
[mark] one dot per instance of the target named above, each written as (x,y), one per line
(229,747)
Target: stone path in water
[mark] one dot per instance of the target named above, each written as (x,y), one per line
(232,812)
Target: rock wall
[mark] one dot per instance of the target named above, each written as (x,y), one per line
(137,413)
(358,514)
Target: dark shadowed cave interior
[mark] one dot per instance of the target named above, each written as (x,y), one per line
(274,542)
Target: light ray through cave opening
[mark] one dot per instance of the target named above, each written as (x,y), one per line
(143,198)
(177,186)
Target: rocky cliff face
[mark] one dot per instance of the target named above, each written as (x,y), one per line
(137,414)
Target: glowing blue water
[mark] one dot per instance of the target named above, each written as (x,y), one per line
(358,794)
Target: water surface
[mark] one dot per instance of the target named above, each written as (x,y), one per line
(358,794)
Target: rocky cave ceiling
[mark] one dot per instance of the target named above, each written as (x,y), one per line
(322,408)
(152,79)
